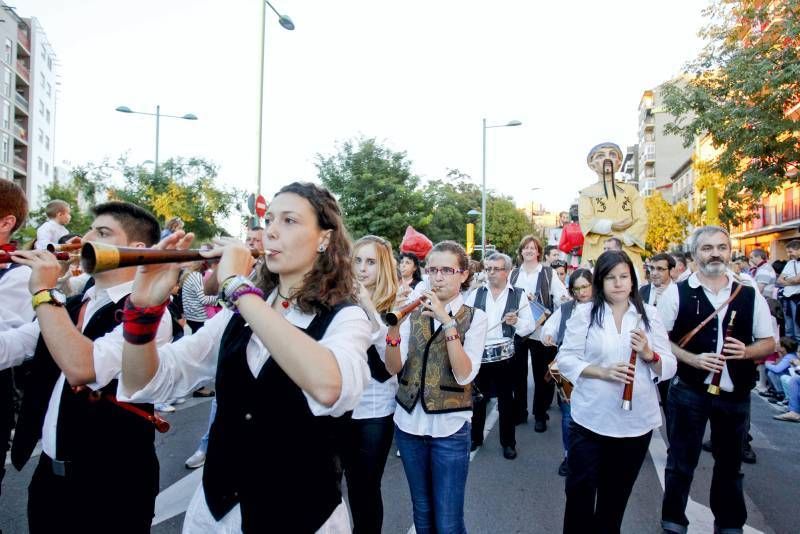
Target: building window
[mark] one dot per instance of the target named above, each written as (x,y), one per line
(7,82)
(43,54)
(46,169)
(49,89)
(41,108)
(48,116)
(3,172)
(41,77)
(49,62)
(40,163)
(47,141)
(8,52)
(6,115)
(4,148)
(41,136)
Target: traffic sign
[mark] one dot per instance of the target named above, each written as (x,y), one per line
(261,206)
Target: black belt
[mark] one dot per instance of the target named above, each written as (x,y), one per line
(59,468)
(703,389)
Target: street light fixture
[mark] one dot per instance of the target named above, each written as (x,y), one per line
(287,24)
(483,189)
(157,115)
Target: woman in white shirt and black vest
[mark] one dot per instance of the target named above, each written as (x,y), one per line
(437,353)
(283,367)
(367,436)
(607,443)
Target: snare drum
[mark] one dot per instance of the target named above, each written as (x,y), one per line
(563,385)
(498,349)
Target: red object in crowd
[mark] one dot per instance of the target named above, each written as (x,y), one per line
(571,238)
(416,243)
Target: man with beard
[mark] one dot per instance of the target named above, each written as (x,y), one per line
(711,293)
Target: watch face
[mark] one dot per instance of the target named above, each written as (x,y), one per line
(58,297)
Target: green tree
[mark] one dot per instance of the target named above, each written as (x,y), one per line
(739,90)
(667,223)
(505,224)
(376,189)
(449,201)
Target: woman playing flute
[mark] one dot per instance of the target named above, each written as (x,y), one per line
(608,444)
(288,352)
(437,352)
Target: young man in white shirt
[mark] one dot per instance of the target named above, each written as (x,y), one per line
(660,280)
(58,216)
(508,313)
(691,403)
(762,272)
(681,271)
(790,280)
(69,402)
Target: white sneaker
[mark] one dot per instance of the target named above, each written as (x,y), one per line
(179,400)
(198,459)
(164,407)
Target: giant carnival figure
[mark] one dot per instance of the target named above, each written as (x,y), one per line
(609,209)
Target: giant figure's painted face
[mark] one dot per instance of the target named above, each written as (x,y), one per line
(601,153)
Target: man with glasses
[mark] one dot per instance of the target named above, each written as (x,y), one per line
(509,314)
(660,280)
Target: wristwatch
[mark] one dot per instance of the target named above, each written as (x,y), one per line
(48,296)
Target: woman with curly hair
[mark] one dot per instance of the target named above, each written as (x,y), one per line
(288,356)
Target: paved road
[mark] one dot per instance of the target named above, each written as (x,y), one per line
(523,495)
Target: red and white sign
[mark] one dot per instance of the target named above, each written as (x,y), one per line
(261,206)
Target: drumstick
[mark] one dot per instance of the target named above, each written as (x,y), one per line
(504,316)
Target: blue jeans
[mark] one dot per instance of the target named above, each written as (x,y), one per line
(436,469)
(690,408)
(566,417)
(211,416)
(790,311)
(791,387)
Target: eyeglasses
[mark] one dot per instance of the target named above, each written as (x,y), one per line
(578,289)
(558,263)
(494,269)
(446,271)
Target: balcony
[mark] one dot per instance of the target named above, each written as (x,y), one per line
(23,72)
(21,101)
(23,42)
(649,123)
(20,133)
(20,163)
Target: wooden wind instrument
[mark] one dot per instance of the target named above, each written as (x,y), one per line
(100,257)
(5,257)
(393,318)
(713,387)
(65,247)
(627,392)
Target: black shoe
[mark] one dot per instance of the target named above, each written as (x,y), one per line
(748,454)
(474,446)
(563,469)
(766,393)
(777,399)
(203,392)
(509,453)
(540,425)
(707,445)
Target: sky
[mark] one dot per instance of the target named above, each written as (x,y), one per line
(419,76)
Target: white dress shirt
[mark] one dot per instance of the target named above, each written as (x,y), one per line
(657,293)
(790,270)
(558,292)
(669,304)
(494,313)
(49,233)
(596,403)
(16,309)
(192,360)
(440,425)
(378,399)
(18,344)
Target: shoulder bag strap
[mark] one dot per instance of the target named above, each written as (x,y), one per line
(688,337)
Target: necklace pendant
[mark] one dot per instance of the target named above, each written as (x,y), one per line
(285,304)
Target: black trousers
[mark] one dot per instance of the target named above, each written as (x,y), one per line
(494,380)
(117,501)
(602,471)
(543,390)
(365,444)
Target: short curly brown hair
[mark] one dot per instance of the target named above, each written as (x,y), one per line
(330,281)
(13,202)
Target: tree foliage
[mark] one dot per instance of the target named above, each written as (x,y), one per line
(739,90)
(449,200)
(376,189)
(505,224)
(667,224)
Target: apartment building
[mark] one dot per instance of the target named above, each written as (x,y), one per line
(28,102)
(660,154)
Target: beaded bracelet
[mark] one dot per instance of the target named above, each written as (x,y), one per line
(140,324)
(240,292)
(452,338)
(392,341)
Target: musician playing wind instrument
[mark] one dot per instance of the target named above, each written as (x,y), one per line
(508,314)
(611,209)
(608,444)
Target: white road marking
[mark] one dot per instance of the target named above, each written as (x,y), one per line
(175,499)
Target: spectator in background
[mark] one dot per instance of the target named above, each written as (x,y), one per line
(790,280)
(560,268)
(612,243)
(172,226)
(681,271)
(58,216)
(762,272)
(788,352)
(551,254)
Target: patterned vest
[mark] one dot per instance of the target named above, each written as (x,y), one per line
(427,372)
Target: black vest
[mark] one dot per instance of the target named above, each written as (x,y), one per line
(267,451)
(512,301)
(97,436)
(644,291)
(693,308)
(543,284)
(566,312)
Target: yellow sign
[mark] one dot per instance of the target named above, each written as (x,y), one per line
(470,237)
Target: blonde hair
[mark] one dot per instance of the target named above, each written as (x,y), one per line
(386,286)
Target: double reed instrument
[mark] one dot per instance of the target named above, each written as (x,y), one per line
(64,247)
(5,255)
(713,387)
(99,257)
(393,318)
(627,393)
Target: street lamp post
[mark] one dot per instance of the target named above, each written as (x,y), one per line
(287,24)
(533,227)
(157,115)
(483,189)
